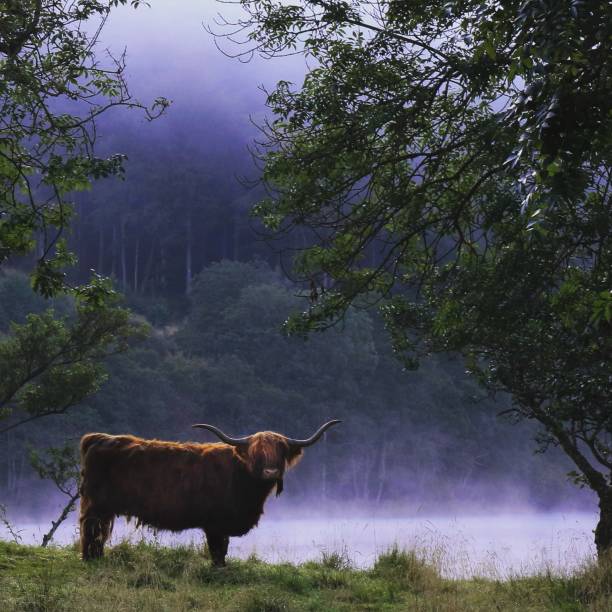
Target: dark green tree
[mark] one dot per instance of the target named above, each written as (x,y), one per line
(453,162)
(53,87)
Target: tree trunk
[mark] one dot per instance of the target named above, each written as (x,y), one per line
(603,531)
(136,256)
(114,253)
(149,271)
(382,473)
(188,265)
(100,269)
(10,474)
(123,260)
(162,270)
(7,450)
(593,477)
(19,477)
(225,248)
(324,468)
(236,237)
(355,472)
(367,472)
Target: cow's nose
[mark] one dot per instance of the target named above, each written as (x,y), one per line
(271,473)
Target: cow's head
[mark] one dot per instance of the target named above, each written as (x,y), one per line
(268,454)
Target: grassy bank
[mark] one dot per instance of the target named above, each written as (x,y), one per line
(146,577)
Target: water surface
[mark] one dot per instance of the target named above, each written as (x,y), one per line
(494,545)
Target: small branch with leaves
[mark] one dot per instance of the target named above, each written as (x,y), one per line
(61,466)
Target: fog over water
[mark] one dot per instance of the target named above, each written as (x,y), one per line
(495,545)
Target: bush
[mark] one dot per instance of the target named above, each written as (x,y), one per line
(337,560)
(408,569)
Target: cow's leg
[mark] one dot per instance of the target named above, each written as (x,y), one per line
(217,544)
(95,530)
(225,547)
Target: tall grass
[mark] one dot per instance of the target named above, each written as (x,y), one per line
(151,577)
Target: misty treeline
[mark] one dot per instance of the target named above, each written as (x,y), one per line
(184,203)
(427,438)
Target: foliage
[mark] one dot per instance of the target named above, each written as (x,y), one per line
(53,88)
(49,364)
(18,299)
(61,466)
(453,162)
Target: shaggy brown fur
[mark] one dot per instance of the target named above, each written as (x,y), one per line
(169,485)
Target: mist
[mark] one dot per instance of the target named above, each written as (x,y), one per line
(217,101)
(499,546)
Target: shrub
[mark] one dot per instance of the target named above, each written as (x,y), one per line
(408,569)
(337,560)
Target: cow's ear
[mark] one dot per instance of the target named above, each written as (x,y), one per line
(294,454)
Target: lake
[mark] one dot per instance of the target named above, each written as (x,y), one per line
(492,545)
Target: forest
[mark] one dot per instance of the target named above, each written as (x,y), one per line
(441,444)
(267,215)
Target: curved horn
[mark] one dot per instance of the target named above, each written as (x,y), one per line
(310,441)
(224,437)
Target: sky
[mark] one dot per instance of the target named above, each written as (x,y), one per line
(170,54)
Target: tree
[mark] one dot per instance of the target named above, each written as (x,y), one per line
(49,363)
(453,163)
(53,88)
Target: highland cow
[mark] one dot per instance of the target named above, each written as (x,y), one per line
(217,487)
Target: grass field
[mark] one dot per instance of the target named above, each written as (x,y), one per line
(148,577)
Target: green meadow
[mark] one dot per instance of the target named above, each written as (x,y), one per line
(153,578)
